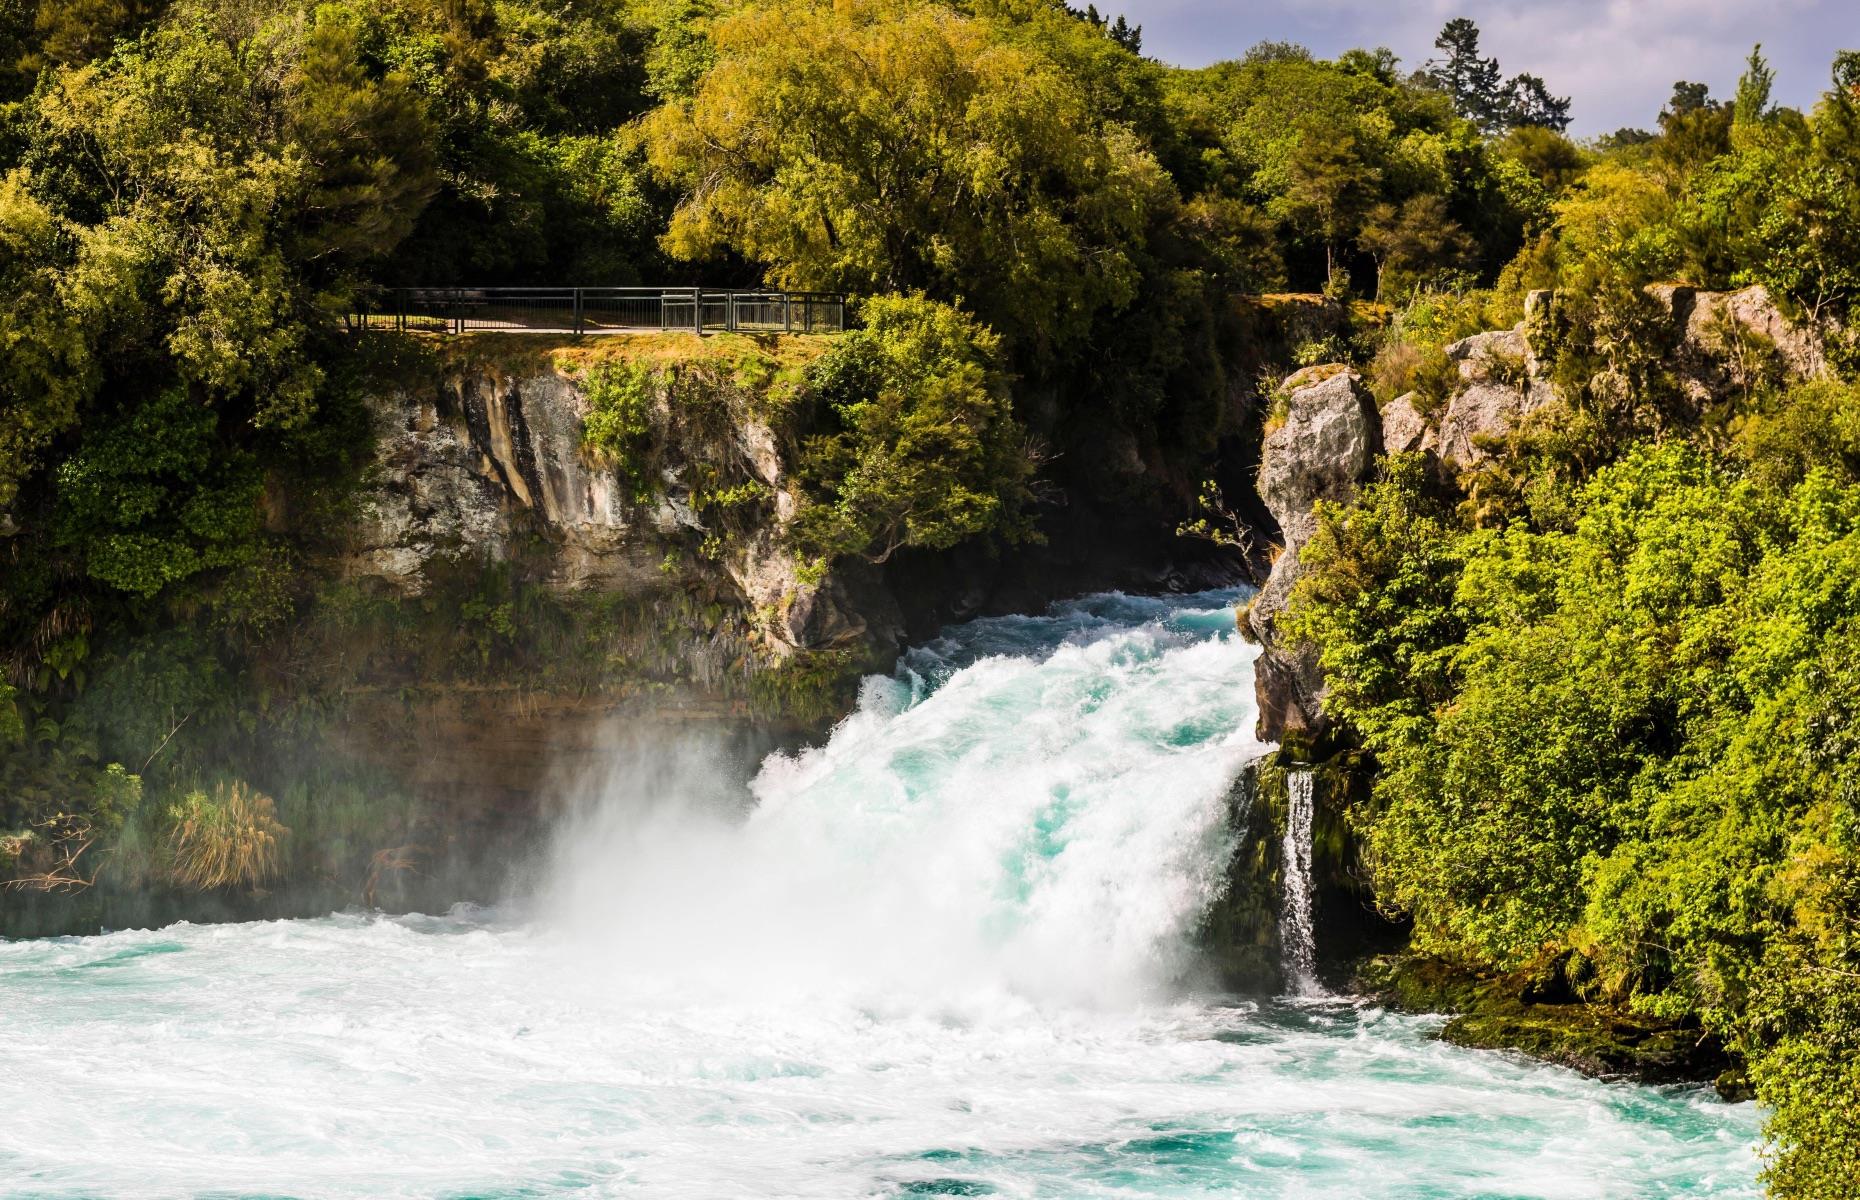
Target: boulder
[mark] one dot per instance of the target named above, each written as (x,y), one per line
(1502,354)
(1502,384)
(1404,429)
(1325,450)
(1486,411)
(1330,437)
(1720,337)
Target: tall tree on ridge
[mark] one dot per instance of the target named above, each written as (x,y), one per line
(1480,92)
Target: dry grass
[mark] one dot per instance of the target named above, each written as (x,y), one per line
(229,839)
(534,354)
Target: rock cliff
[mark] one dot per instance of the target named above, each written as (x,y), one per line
(1324,449)
(1332,433)
(491,463)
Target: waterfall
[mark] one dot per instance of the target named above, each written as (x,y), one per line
(1296,935)
(1035,804)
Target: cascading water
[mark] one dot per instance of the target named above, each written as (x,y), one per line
(1296,932)
(946,952)
(1036,805)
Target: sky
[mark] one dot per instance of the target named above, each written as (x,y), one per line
(1617,59)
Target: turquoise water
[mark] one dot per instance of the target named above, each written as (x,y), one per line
(945,953)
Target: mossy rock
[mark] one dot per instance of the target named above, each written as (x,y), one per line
(1600,1040)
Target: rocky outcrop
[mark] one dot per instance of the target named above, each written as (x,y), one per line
(490,463)
(1404,429)
(1325,449)
(1729,340)
(1500,385)
(1716,343)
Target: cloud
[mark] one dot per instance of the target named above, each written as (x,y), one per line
(1618,59)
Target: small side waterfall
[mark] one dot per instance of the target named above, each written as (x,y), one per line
(1295,930)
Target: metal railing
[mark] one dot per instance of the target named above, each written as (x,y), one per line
(599,310)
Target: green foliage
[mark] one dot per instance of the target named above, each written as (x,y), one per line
(920,446)
(1723,196)
(618,427)
(1619,749)
(1481,94)
(157,500)
(47,371)
(898,146)
(231,838)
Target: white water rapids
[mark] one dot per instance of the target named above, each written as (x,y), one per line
(947,952)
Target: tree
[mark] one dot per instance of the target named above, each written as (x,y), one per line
(47,371)
(1479,91)
(1687,98)
(1473,81)
(1413,240)
(895,145)
(1752,104)
(920,446)
(368,140)
(73,32)
(1329,189)
(1528,102)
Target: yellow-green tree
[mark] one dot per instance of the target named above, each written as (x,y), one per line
(901,145)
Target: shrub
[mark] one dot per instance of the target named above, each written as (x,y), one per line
(618,427)
(920,446)
(229,839)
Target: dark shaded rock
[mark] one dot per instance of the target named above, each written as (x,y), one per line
(1515,1013)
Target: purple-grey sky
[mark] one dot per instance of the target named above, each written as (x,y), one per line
(1617,58)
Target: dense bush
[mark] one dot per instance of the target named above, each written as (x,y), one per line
(919,445)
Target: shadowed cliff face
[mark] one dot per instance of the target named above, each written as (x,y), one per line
(481,471)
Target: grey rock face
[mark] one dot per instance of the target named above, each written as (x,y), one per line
(1325,451)
(471,468)
(1721,336)
(1502,385)
(1486,411)
(1328,441)
(488,463)
(1404,429)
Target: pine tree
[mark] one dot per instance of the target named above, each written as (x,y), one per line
(1480,92)
(1753,89)
(1473,82)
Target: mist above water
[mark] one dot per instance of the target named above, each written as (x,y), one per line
(1030,804)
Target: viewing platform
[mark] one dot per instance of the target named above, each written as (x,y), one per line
(598,310)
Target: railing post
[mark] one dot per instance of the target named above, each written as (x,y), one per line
(787,312)
(577,312)
(697,311)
